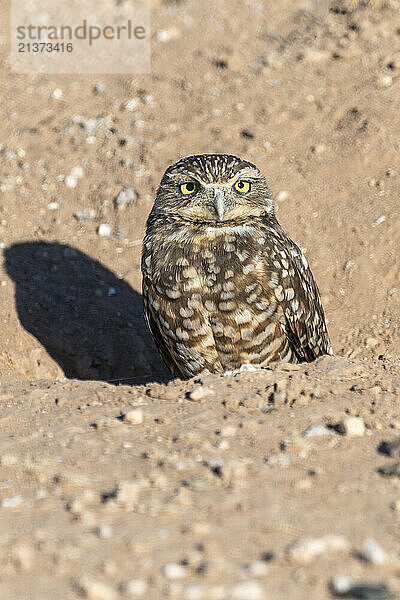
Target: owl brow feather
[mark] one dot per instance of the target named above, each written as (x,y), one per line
(185,173)
(249,171)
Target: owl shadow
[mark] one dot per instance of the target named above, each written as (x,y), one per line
(90,322)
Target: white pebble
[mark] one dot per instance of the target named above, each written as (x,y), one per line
(395,505)
(97,590)
(282,459)
(12,501)
(126,196)
(197,394)
(136,588)
(53,205)
(132,104)
(374,553)
(164,36)
(258,568)
(57,93)
(104,531)
(341,584)
(352,426)
(22,557)
(77,172)
(99,87)
(282,195)
(70,181)
(134,416)
(175,571)
(104,230)
(85,213)
(384,81)
(128,492)
(247,590)
(379,220)
(305,550)
(194,592)
(315,431)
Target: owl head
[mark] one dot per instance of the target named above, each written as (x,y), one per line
(213,188)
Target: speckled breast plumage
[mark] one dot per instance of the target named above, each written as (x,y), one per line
(221,295)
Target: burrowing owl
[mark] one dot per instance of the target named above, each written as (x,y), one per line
(223,285)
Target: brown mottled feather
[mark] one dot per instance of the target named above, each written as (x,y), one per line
(222,292)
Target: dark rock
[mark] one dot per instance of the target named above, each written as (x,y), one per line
(392,470)
(391,448)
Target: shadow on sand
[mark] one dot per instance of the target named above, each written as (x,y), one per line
(88,320)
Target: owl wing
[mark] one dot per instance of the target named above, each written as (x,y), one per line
(159,339)
(303,319)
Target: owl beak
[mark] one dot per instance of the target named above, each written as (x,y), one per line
(219,203)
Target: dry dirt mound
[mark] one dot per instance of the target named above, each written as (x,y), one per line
(263,485)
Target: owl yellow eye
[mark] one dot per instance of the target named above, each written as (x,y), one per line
(188,188)
(242,186)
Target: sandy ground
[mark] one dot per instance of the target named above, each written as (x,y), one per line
(216,488)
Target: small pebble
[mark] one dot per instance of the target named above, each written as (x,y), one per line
(392,470)
(12,501)
(258,568)
(126,196)
(194,592)
(57,93)
(196,394)
(315,431)
(77,172)
(95,589)
(104,230)
(305,550)
(104,531)
(391,448)
(99,87)
(127,492)
(199,392)
(132,104)
(379,220)
(85,213)
(175,571)
(53,206)
(341,584)
(134,416)
(344,587)
(166,35)
(352,426)
(373,553)
(247,590)
(282,196)
(135,588)
(216,465)
(395,506)
(70,181)
(281,460)
(384,81)
(22,557)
